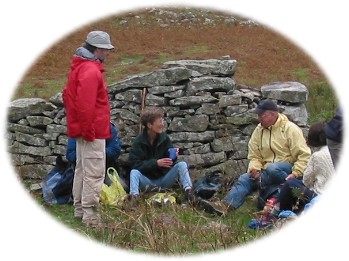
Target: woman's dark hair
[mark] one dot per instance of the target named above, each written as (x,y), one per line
(89,47)
(316,135)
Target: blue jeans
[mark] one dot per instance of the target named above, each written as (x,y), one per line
(179,171)
(274,174)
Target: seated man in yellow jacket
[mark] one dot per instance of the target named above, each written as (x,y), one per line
(277,151)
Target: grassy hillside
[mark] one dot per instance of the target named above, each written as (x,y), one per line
(145,39)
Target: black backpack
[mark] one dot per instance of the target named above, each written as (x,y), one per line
(208,185)
(58,184)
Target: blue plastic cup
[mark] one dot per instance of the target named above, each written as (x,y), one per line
(172,153)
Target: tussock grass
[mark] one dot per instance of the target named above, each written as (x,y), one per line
(174,229)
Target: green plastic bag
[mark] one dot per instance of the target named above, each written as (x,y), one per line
(114,194)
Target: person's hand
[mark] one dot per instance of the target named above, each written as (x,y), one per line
(291,176)
(254,173)
(165,163)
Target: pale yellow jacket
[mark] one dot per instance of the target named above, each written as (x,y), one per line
(281,142)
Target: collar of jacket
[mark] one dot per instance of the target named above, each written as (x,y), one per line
(85,54)
(144,138)
(280,122)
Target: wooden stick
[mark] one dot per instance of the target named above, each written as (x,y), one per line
(144,94)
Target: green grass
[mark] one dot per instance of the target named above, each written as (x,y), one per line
(173,229)
(322,101)
(43,88)
(163,57)
(131,59)
(194,49)
(302,75)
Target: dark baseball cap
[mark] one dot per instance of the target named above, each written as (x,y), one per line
(265,105)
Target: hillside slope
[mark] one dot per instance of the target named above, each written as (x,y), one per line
(147,38)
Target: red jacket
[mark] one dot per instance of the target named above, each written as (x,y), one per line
(86,101)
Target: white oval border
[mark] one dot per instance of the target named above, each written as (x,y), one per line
(29,27)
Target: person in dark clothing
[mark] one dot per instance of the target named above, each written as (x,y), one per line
(151,166)
(319,170)
(334,134)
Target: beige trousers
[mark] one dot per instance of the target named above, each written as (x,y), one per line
(88,177)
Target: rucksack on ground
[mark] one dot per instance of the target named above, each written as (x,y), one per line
(208,185)
(58,184)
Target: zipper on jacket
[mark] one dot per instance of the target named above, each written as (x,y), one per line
(262,139)
(270,144)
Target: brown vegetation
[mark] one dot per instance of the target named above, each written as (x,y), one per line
(143,45)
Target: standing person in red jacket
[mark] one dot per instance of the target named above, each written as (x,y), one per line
(86,103)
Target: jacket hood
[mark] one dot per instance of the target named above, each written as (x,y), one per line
(143,138)
(281,121)
(86,54)
(82,55)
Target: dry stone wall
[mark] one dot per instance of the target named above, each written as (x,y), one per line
(207,116)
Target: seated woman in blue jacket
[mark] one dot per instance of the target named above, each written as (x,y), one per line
(112,149)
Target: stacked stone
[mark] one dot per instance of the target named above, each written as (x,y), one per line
(36,132)
(207,116)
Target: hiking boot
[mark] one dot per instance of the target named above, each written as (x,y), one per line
(132,201)
(155,189)
(92,219)
(78,214)
(190,197)
(93,222)
(220,208)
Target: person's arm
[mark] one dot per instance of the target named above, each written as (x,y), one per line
(334,128)
(86,97)
(113,145)
(299,151)
(254,155)
(71,150)
(164,160)
(139,158)
(309,175)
